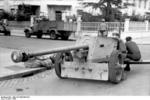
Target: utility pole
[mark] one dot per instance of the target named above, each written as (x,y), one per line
(120,22)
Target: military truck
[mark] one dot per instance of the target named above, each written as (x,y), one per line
(54,29)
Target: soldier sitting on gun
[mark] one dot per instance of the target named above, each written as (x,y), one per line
(121,45)
(133,51)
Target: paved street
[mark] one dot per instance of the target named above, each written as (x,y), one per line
(47,83)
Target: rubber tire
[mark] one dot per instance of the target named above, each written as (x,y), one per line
(53,35)
(7,33)
(116,75)
(116,72)
(64,37)
(27,34)
(39,36)
(58,60)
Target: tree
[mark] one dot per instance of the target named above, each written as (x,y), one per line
(6,15)
(24,12)
(108,8)
(87,17)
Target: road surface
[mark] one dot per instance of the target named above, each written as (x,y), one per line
(48,84)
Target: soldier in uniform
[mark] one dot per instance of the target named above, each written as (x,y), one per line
(121,44)
(133,51)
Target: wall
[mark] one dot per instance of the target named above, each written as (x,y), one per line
(140,7)
(8,4)
(21,25)
(128,28)
(53,8)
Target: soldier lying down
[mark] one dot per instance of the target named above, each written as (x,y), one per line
(41,61)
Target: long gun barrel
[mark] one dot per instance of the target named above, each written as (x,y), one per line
(18,56)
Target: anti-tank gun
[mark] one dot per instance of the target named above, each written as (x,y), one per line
(96,58)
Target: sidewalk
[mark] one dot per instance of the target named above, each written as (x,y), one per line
(141,38)
(142,41)
(9,69)
(17,32)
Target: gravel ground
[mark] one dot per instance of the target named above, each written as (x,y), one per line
(12,83)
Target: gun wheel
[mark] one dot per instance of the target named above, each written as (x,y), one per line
(116,72)
(58,61)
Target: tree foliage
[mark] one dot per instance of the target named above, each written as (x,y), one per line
(109,8)
(6,15)
(87,17)
(24,12)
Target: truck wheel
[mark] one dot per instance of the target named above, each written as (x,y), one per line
(5,33)
(53,35)
(27,34)
(8,33)
(65,37)
(39,36)
(116,72)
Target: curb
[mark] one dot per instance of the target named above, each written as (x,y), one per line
(23,74)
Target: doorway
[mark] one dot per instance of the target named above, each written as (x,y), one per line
(58,15)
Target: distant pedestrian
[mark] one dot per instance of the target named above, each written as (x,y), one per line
(5,22)
(102,28)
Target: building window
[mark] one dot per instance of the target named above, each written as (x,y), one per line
(1,10)
(12,10)
(139,3)
(149,6)
(127,1)
(145,2)
(134,3)
(58,15)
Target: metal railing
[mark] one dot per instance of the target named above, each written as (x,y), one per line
(94,26)
(137,26)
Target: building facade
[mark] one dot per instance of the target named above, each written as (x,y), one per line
(56,9)
(53,9)
(137,7)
